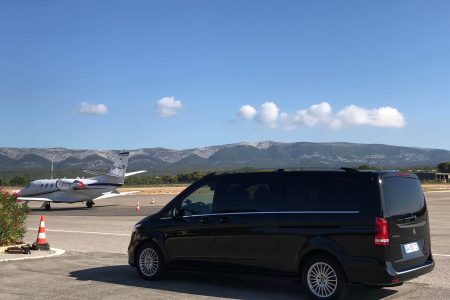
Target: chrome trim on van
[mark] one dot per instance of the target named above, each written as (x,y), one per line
(320,212)
(274,212)
(393,272)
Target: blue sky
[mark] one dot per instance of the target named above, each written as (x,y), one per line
(176,74)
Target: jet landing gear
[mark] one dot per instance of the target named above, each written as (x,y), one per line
(90,203)
(46,205)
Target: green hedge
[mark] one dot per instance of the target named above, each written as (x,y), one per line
(12,219)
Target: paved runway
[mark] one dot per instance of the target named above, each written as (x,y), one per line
(95,264)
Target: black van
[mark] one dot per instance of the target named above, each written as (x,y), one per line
(330,228)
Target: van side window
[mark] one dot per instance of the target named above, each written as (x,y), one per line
(199,201)
(246,195)
(326,194)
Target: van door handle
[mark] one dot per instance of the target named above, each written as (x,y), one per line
(204,220)
(225,220)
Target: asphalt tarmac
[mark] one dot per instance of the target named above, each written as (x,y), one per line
(95,262)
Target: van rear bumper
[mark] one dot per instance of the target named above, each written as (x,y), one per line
(382,274)
(410,273)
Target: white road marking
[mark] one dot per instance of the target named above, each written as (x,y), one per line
(56,252)
(444,255)
(86,232)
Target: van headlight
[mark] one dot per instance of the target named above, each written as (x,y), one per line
(136,227)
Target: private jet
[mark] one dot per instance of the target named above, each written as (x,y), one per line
(79,190)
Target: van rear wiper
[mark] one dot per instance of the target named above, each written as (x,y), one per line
(410,219)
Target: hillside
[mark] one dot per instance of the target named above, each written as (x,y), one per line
(265,154)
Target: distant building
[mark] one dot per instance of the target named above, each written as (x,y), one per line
(433,176)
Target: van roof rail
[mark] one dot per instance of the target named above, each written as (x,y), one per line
(352,170)
(209,175)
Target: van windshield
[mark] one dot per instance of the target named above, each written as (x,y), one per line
(402,195)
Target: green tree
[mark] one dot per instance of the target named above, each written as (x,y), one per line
(444,167)
(18,181)
(169,179)
(367,167)
(12,219)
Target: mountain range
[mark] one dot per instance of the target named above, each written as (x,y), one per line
(266,154)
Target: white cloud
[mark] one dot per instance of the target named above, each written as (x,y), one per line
(378,117)
(247,112)
(316,114)
(321,114)
(168,107)
(269,114)
(95,109)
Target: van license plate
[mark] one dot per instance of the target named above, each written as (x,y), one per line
(411,247)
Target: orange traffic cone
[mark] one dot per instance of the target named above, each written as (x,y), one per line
(138,207)
(41,241)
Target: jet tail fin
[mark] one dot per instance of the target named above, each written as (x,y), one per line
(119,167)
(117,173)
(94,173)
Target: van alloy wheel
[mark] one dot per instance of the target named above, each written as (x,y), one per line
(148,262)
(322,280)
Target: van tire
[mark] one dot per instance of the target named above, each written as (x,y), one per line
(150,262)
(323,278)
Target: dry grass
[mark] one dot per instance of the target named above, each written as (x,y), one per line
(155,190)
(145,190)
(173,190)
(176,189)
(430,187)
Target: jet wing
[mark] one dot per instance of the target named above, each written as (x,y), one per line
(115,194)
(34,199)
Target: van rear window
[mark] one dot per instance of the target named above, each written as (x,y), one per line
(402,195)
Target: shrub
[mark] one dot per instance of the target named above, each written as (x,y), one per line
(18,181)
(12,219)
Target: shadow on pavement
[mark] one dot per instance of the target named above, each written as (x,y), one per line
(40,209)
(216,284)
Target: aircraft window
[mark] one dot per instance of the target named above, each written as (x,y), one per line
(46,185)
(42,184)
(51,185)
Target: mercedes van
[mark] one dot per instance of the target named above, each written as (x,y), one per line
(327,228)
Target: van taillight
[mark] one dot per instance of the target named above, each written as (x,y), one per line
(402,174)
(381,232)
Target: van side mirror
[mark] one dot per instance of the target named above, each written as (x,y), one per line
(175,213)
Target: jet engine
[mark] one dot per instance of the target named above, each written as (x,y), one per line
(78,185)
(65,185)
